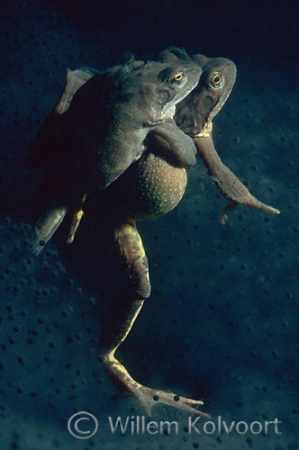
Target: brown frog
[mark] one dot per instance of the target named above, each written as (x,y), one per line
(195,114)
(149,188)
(99,128)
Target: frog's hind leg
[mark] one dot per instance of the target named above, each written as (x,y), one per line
(122,318)
(77,214)
(52,218)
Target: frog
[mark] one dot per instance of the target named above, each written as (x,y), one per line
(195,115)
(99,128)
(141,192)
(152,186)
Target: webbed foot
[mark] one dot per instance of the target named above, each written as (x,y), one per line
(147,397)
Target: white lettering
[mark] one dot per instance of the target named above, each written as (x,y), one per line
(168,425)
(152,428)
(238,428)
(260,427)
(206,424)
(118,423)
(192,425)
(228,429)
(276,422)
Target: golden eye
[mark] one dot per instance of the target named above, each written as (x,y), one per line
(178,77)
(216,80)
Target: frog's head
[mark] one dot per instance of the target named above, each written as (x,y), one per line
(195,113)
(156,87)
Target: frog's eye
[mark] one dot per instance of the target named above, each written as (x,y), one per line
(178,77)
(216,81)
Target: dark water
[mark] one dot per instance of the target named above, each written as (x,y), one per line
(222,320)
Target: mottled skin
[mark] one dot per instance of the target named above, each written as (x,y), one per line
(154,185)
(149,182)
(99,128)
(195,114)
(226,182)
(150,187)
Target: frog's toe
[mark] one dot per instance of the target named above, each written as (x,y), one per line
(46,226)
(147,397)
(150,397)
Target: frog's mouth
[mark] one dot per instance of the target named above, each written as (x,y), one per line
(168,114)
(195,128)
(189,129)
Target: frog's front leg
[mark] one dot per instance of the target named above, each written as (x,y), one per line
(122,318)
(226,182)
